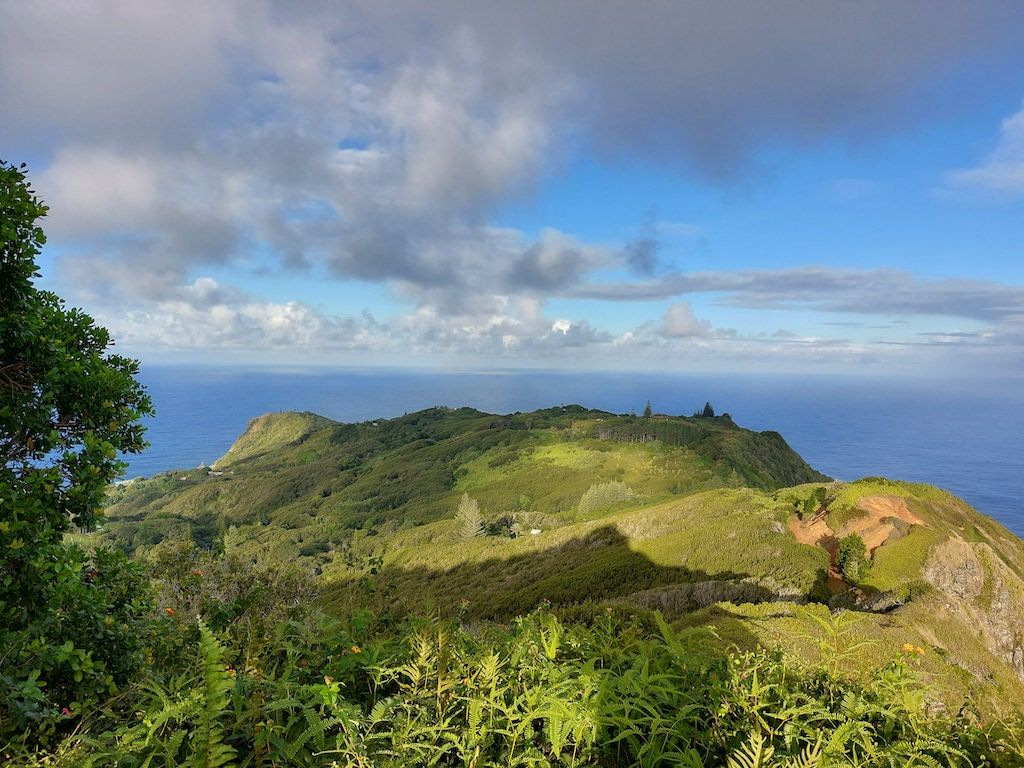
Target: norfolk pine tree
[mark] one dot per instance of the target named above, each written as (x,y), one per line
(471,524)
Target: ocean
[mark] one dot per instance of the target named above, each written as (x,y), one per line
(967,437)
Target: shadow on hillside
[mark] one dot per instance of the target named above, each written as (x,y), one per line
(597,568)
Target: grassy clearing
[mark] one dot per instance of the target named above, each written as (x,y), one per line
(270,432)
(715,536)
(897,564)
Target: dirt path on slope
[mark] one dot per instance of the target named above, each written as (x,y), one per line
(814,531)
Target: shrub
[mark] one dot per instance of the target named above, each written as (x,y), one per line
(506,525)
(851,557)
(604,495)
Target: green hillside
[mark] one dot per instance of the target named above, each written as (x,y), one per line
(709,524)
(318,483)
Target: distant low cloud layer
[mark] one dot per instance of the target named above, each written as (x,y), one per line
(376,141)
(826,289)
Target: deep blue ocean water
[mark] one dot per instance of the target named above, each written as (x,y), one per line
(965,437)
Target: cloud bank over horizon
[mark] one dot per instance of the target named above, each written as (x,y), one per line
(393,181)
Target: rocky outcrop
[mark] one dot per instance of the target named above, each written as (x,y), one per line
(857,599)
(980,589)
(674,600)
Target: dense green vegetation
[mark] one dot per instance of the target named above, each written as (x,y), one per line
(585,507)
(618,689)
(453,588)
(852,558)
(71,623)
(327,483)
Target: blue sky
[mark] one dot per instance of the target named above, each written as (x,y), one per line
(826,187)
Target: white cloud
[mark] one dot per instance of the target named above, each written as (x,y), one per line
(1002,172)
(680,322)
(379,142)
(207,315)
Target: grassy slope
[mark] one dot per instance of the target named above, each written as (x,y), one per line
(317,483)
(958,660)
(371,505)
(713,536)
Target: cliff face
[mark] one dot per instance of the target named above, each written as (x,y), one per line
(982,591)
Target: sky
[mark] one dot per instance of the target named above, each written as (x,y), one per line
(714,186)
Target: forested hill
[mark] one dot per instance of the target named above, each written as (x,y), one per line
(324,479)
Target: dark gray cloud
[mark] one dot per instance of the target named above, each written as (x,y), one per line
(411,122)
(641,255)
(707,82)
(550,265)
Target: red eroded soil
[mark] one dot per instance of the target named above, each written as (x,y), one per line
(875,527)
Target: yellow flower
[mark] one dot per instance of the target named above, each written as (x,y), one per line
(356,649)
(919,650)
(170,611)
(908,647)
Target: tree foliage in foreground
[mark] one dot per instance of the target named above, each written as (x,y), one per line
(69,624)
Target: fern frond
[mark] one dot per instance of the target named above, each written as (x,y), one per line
(317,731)
(809,758)
(755,753)
(209,749)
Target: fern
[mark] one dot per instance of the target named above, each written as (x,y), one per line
(809,758)
(317,729)
(845,734)
(541,693)
(209,749)
(755,753)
